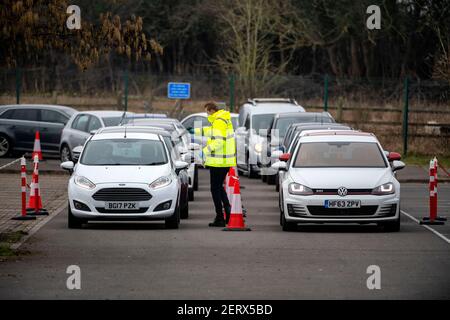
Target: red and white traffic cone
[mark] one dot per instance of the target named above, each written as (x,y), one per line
(35,202)
(433,219)
(23,175)
(236,222)
(37,146)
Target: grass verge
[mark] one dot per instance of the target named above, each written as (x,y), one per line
(8,238)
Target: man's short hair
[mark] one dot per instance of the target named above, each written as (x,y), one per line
(211,106)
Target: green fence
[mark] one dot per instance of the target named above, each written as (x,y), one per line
(406,114)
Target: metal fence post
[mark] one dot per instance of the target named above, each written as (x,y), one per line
(325,94)
(405,116)
(126,91)
(18,84)
(232,86)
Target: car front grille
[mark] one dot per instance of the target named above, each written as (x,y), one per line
(295,210)
(122,194)
(103,210)
(337,212)
(334,192)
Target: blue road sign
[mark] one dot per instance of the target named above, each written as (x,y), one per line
(179,90)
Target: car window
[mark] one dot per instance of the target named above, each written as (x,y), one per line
(52,116)
(81,122)
(116,152)
(111,121)
(25,114)
(7,114)
(247,123)
(94,124)
(339,154)
(261,121)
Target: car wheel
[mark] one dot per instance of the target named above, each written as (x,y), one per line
(196,178)
(191,194)
(263,177)
(185,211)
(72,221)
(250,172)
(391,226)
(174,221)
(5,145)
(271,179)
(287,225)
(277,185)
(65,153)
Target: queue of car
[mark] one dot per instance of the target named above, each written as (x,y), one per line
(324,172)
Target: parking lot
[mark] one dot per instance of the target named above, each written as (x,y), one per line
(144,260)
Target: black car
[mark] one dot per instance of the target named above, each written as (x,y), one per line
(19,123)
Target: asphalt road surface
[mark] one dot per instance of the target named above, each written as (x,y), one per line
(145,261)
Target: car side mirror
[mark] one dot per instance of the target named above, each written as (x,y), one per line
(394,156)
(279,165)
(241,130)
(285,157)
(76,153)
(397,165)
(67,165)
(180,165)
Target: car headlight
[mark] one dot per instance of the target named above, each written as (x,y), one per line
(258,147)
(161,183)
(84,182)
(299,189)
(387,188)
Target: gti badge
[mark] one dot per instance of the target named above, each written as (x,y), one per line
(342,191)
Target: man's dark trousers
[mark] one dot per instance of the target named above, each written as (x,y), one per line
(217,176)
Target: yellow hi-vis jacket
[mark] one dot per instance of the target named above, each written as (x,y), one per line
(220,150)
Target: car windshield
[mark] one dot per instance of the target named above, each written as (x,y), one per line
(339,155)
(283,124)
(235,122)
(111,121)
(262,121)
(122,152)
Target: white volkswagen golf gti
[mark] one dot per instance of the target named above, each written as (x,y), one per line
(339,177)
(124,176)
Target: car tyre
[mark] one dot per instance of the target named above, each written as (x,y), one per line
(391,226)
(184,214)
(191,194)
(196,178)
(72,221)
(263,177)
(174,221)
(5,145)
(65,154)
(287,225)
(271,179)
(250,172)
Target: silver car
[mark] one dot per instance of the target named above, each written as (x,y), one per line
(80,126)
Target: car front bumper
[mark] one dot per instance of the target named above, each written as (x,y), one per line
(146,208)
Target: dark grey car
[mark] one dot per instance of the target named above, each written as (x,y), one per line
(19,123)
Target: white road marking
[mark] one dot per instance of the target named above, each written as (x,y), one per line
(8,164)
(35,229)
(440,235)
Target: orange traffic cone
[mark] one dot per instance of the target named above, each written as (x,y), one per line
(37,146)
(35,202)
(236,222)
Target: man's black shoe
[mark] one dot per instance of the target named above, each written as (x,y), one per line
(227,214)
(217,223)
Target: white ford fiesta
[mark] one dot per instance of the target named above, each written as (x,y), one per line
(339,177)
(124,176)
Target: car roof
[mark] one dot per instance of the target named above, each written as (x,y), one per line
(104,113)
(143,129)
(274,108)
(205,115)
(303,114)
(147,115)
(66,109)
(338,136)
(129,135)
(148,122)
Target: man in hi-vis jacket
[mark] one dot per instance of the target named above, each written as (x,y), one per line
(219,155)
